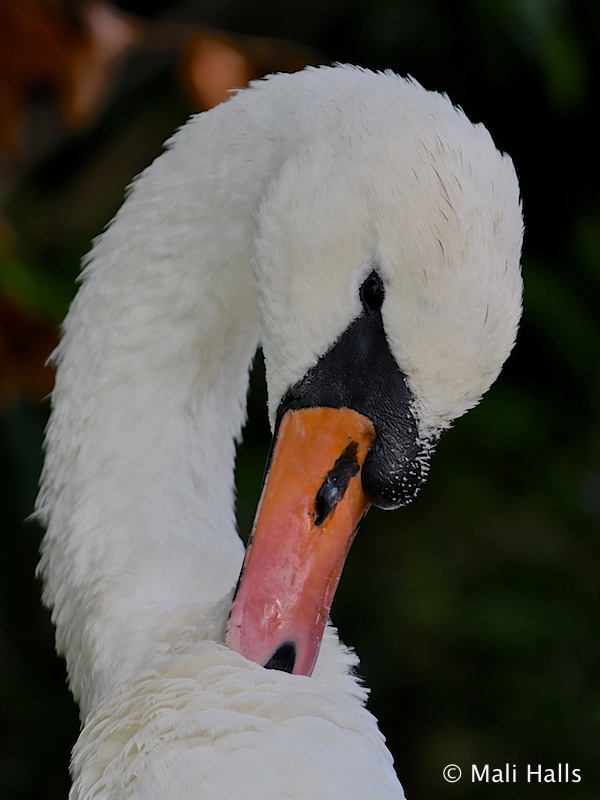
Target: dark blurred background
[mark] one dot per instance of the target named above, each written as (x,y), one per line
(475,611)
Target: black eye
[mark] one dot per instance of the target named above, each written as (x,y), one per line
(372,292)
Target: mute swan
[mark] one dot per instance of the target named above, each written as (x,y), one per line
(369,235)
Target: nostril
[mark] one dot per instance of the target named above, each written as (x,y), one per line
(328,496)
(284,658)
(335,484)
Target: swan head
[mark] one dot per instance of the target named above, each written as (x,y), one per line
(389,286)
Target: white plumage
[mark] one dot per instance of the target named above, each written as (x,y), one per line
(260,221)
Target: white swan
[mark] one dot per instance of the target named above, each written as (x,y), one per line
(370,236)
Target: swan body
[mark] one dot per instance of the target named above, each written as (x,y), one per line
(262,221)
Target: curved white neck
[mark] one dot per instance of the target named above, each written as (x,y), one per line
(150,396)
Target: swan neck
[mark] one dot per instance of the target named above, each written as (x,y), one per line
(138,488)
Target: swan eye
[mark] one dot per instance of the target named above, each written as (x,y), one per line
(372,292)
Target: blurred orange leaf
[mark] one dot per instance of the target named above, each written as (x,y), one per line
(107,36)
(35,42)
(72,50)
(214,63)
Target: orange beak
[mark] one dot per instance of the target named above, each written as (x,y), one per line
(310,509)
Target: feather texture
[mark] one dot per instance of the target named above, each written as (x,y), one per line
(261,219)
